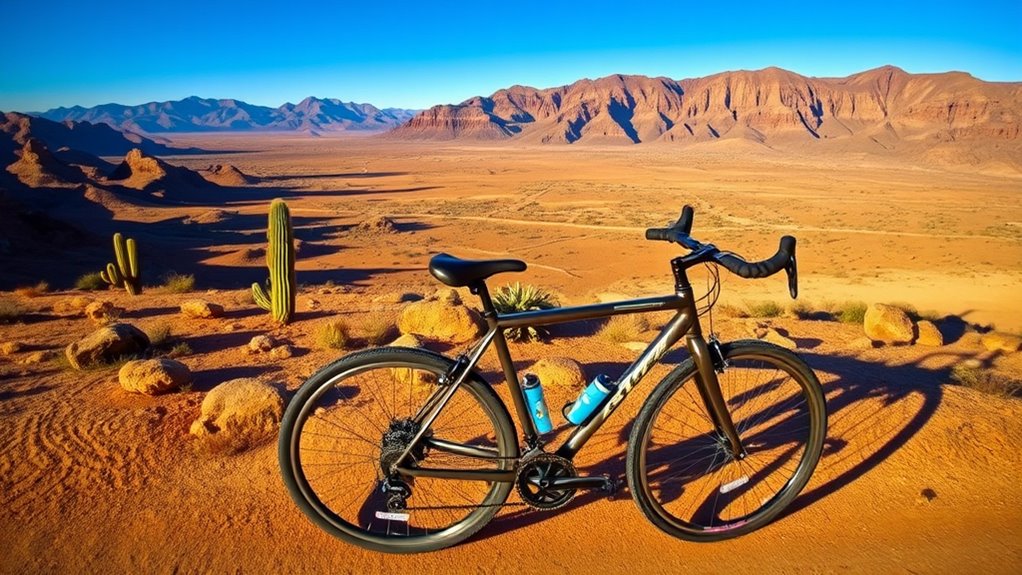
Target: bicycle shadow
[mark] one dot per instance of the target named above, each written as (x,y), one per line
(874,409)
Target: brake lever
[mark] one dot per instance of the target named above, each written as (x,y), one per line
(791,268)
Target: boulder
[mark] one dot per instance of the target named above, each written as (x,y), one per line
(102,311)
(1000,341)
(74,305)
(107,344)
(261,343)
(888,324)
(861,343)
(929,335)
(238,414)
(153,376)
(441,321)
(559,372)
(201,309)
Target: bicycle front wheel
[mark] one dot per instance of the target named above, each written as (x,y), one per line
(680,468)
(353,419)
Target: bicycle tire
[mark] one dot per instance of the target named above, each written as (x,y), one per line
(730,497)
(320,393)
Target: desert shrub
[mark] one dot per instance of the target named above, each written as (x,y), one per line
(10,310)
(33,291)
(851,312)
(764,308)
(377,328)
(91,282)
(519,297)
(158,333)
(986,380)
(178,283)
(180,349)
(624,328)
(730,310)
(333,334)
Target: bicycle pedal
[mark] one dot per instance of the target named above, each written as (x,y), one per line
(610,486)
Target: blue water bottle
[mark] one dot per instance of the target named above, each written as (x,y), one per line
(537,405)
(592,397)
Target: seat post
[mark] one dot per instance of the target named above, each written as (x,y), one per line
(489,313)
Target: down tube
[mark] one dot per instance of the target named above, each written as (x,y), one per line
(670,335)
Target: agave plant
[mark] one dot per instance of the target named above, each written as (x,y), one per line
(517,297)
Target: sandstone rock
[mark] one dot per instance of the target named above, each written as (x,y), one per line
(441,321)
(37,357)
(377,225)
(102,311)
(261,343)
(201,309)
(312,303)
(153,376)
(635,345)
(407,340)
(282,351)
(929,335)
(238,414)
(861,343)
(11,347)
(1000,341)
(773,336)
(888,324)
(107,344)
(559,372)
(73,305)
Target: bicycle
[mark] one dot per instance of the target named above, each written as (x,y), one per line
(405,450)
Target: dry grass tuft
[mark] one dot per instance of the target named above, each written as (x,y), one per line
(764,308)
(33,291)
(91,282)
(378,328)
(159,333)
(986,381)
(10,310)
(851,312)
(333,334)
(177,283)
(624,328)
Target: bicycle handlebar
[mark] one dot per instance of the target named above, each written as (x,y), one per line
(784,259)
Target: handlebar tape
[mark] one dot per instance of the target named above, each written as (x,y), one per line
(760,269)
(682,227)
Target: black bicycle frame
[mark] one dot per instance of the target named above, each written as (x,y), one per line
(684,324)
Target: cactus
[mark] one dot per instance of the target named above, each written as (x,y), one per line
(126,272)
(280,259)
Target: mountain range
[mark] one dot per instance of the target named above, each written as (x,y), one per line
(886,107)
(196,114)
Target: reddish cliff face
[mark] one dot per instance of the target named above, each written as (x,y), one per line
(767,106)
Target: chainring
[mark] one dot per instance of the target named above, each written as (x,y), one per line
(537,468)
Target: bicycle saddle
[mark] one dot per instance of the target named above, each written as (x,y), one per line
(457,272)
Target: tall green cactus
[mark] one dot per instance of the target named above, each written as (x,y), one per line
(280,259)
(126,272)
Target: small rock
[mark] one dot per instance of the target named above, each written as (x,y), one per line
(929,335)
(972,363)
(261,343)
(861,343)
(312,303)
(107,344)
(37,357)
(407,340)
(634,345)
(238,414)
(153,376)
(1000,341)
(11,347)
(888,324)
(440,320)
(927,495)
(773,336)
(231,327)
(101,312)
(282,351)
(73,305)
(560,372)
(201,309)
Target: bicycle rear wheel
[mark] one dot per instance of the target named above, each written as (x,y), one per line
(350,421)
(680,469)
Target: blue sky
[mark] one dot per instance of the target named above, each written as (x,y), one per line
(77,52)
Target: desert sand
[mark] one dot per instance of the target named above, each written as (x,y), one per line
(918,475)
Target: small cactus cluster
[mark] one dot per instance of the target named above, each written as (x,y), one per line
(516,297)
(126,271)
(280,259)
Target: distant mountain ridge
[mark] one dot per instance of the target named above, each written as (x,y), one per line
(884,108)
(194,114)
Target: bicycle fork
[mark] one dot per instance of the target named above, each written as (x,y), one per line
(709,390)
